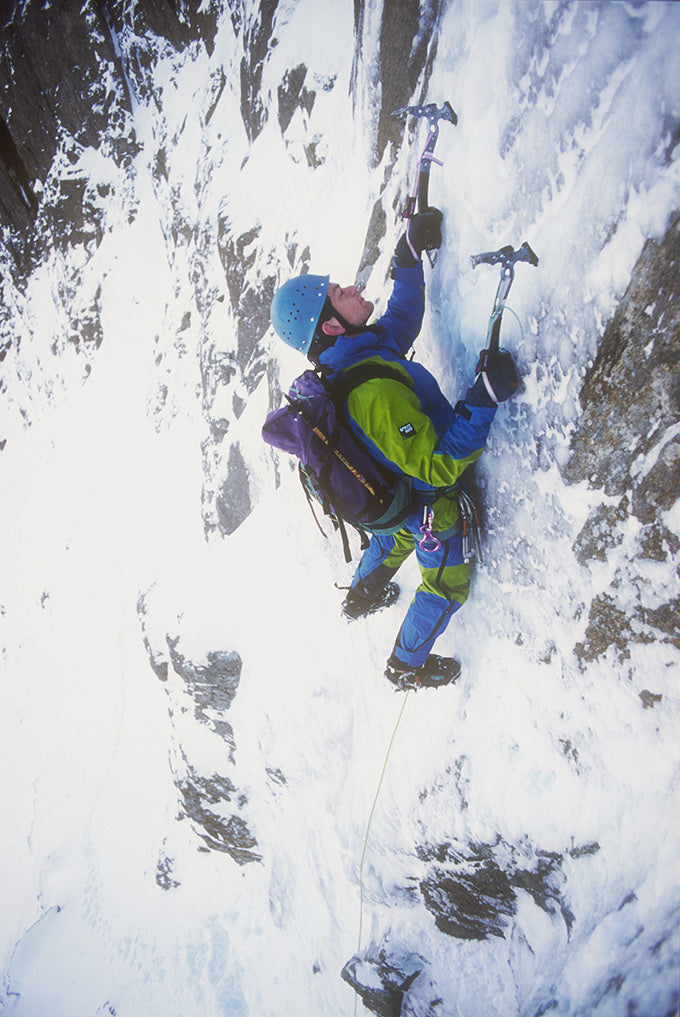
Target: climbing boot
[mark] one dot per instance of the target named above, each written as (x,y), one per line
(434,672)
(359,602)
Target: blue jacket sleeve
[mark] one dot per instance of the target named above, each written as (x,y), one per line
(404,314)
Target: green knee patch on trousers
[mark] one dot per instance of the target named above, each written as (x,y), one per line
(452,582)
(403,546)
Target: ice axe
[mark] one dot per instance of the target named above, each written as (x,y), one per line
(418,197)
(507,258)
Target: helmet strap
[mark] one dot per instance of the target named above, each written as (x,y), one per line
(328,312)
(321,340)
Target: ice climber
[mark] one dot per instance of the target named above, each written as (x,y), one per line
(410,427)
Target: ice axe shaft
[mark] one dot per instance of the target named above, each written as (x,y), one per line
(507,258)
(434,115)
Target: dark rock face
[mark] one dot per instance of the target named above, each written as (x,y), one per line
(473,906)
(292,95)
(607,626)
(212,802)
(381,982)
(39,101)
(472,890)
(68,88)
(41,105)
(233,500)
(250,304)
(631,394)
(408,46)
(407,49)
(258,40)
(600,533)
(201,693)
(18,203)
(212,685)
(658,490)
(177,21)
(205,802)
(624,445)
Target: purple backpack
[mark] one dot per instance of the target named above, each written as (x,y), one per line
(335,467)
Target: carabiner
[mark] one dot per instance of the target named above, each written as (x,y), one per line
(429,542)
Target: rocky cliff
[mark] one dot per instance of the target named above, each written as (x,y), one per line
(87,133)
(626,445)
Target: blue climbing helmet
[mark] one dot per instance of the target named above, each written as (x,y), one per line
(296,309)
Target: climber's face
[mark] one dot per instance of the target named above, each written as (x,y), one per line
(350,304)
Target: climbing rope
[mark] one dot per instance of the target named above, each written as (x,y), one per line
(368,828)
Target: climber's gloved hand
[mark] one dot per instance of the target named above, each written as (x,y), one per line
(424,233)
(425,230)
(496,379)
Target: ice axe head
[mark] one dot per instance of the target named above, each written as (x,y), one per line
(446,112)
(431,112)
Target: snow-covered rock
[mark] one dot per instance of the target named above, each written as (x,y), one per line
(209,791)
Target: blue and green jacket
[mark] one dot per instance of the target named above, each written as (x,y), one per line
(410,426)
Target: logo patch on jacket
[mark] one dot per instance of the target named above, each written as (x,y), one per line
(407,430)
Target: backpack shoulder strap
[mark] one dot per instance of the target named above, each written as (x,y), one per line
(355,376)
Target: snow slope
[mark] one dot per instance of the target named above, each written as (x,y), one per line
(568,116)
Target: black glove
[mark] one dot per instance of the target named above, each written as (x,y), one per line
(496,379)
(424,233)
(425,230)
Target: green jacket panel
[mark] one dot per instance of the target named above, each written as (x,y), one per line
(390,416)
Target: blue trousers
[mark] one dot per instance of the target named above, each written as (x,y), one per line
(444,587)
